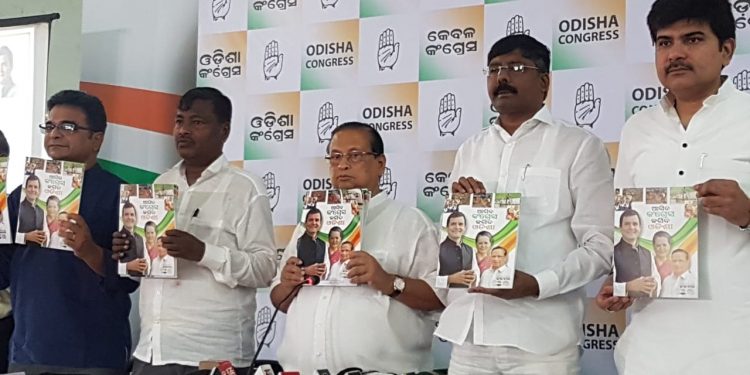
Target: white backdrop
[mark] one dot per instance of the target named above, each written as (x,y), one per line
(296,69)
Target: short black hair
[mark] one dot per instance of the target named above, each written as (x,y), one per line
(483,233)
(376,141)
(149,223)
(5,51)
(528,46)
(222,104)
(335,229)
(90,105)
(662,234)
(501,248)
(312,212)
(716,13)
(4,146)
(627,213)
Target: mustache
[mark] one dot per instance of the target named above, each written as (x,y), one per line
(505,87)
(679,64)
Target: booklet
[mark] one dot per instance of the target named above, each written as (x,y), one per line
(332,222)
(481,237)
(4,218)
(147,212)
(656,242)
(51,191)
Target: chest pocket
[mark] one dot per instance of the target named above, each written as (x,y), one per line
(540,189)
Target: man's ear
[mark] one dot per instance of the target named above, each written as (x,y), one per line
(98,138)
(225,130)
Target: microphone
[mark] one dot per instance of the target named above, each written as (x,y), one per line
(253,364)
(311,280)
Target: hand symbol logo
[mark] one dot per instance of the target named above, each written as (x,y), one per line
(587,106)
(272,61)
(388,50)
(449,118)
(326,122)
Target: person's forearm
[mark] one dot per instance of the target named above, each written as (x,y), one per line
(278,293)
(419,295)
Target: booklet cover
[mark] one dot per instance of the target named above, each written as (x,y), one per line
(146,213)
(4,218)
(480,240)
(332,222)
(656,242)
(51,191)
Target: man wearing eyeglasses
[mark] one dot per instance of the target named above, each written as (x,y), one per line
(71,308)
(565,235)
(394,271)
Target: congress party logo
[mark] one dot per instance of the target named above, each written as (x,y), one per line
(328,3)
(273,61)
(262,324)
(449,118)
(387,185)
(273,191)
(327,122)
(587,106)
(388,50)
(515,26)
(220,9)
(742,80)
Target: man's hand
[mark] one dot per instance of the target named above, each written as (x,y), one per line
(725,198)
(607,301)
(318,269)
(137,267)
(524,285)
(183,245)
(120,245)
(462,277)
(468,185)
(365,269)
(36,236)
(78,237)
(291,274)
(641,287)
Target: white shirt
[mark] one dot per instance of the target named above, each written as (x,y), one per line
(565,232)
(714,330)
(338,327)
(209,311)
(492,278)
(683,286)
(338,271)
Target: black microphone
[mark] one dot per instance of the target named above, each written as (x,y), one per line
(253,364)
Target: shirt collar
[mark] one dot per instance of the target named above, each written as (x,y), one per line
(726,90)
(214,168)
(542,116)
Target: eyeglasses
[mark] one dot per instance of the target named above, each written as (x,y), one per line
(66,127)
(353,157)
(494,70)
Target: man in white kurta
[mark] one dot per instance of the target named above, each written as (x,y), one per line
(565,232)
(697,134)
(382,323)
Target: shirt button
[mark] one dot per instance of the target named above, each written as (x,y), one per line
(318,354)
(681,173)
(684,145)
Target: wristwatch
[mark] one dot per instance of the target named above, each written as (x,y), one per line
(398,286)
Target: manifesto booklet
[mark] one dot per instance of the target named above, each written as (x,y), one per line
(332,231)
(146,214)
(656,242)
(4,219)
(51,191)
(480,237)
